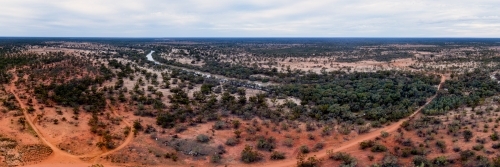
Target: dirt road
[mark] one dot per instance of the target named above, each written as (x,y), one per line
(58,154)
(354,142)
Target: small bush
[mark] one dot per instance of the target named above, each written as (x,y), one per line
(304,149)
(310,136)
(440,161)
(379,148)
(478,147)
(277,155)
(421,160)
(236,124)
(496,146)
(366,144)
(232,141)
(458,149)
(347,159)
(248,155)
(202,138)
(384,134)
(466,154)
(288,142)
(266,144)
(219,125)
(310,162)
(215,158)
(318,146)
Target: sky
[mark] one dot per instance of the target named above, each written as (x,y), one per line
(250,18)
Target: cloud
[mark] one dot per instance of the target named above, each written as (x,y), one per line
(250,18)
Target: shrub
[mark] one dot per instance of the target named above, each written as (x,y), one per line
(467,135)
(478,147)
(310,136)
(379,148)
(277,155)
(318,146)
(236,124)
(288,142)
(347,159)
(421,161)
(364,129)
(384,134)
(215,158)
(310,127)
(304,149)
(327,130)
(494,136)
(366,144)
(441,145)
(219,125)
(232,141)
(202,138)
(266,144)
(466,154)
(440,161)
(390,160)
(496,146)
(310,162)
(248,155)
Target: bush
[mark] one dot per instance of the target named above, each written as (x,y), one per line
(441,145)
(266,144)
(318,146)
(347,159)
(366,144)
(304,149)
(384,134)
(288,142)
(248,155)
(421,161)
(236,124)
(494,136)
(232,141)
(440,161)
(478,147)
(390,160)
(202,138)
(215,158)
(379,148)
(277,155)
(310,162)
(466,154)
(219,125)
(496,146)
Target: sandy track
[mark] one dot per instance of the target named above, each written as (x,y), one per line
(127,141)
(354,142)
(59,154)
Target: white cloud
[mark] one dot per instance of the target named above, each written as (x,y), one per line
(238,18)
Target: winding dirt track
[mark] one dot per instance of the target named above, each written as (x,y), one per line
(58,153)
(354,142)
(127,141)
(286,163)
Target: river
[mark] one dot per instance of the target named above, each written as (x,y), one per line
(150,57)
(207,75)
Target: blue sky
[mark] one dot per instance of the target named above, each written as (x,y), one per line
(250,18)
